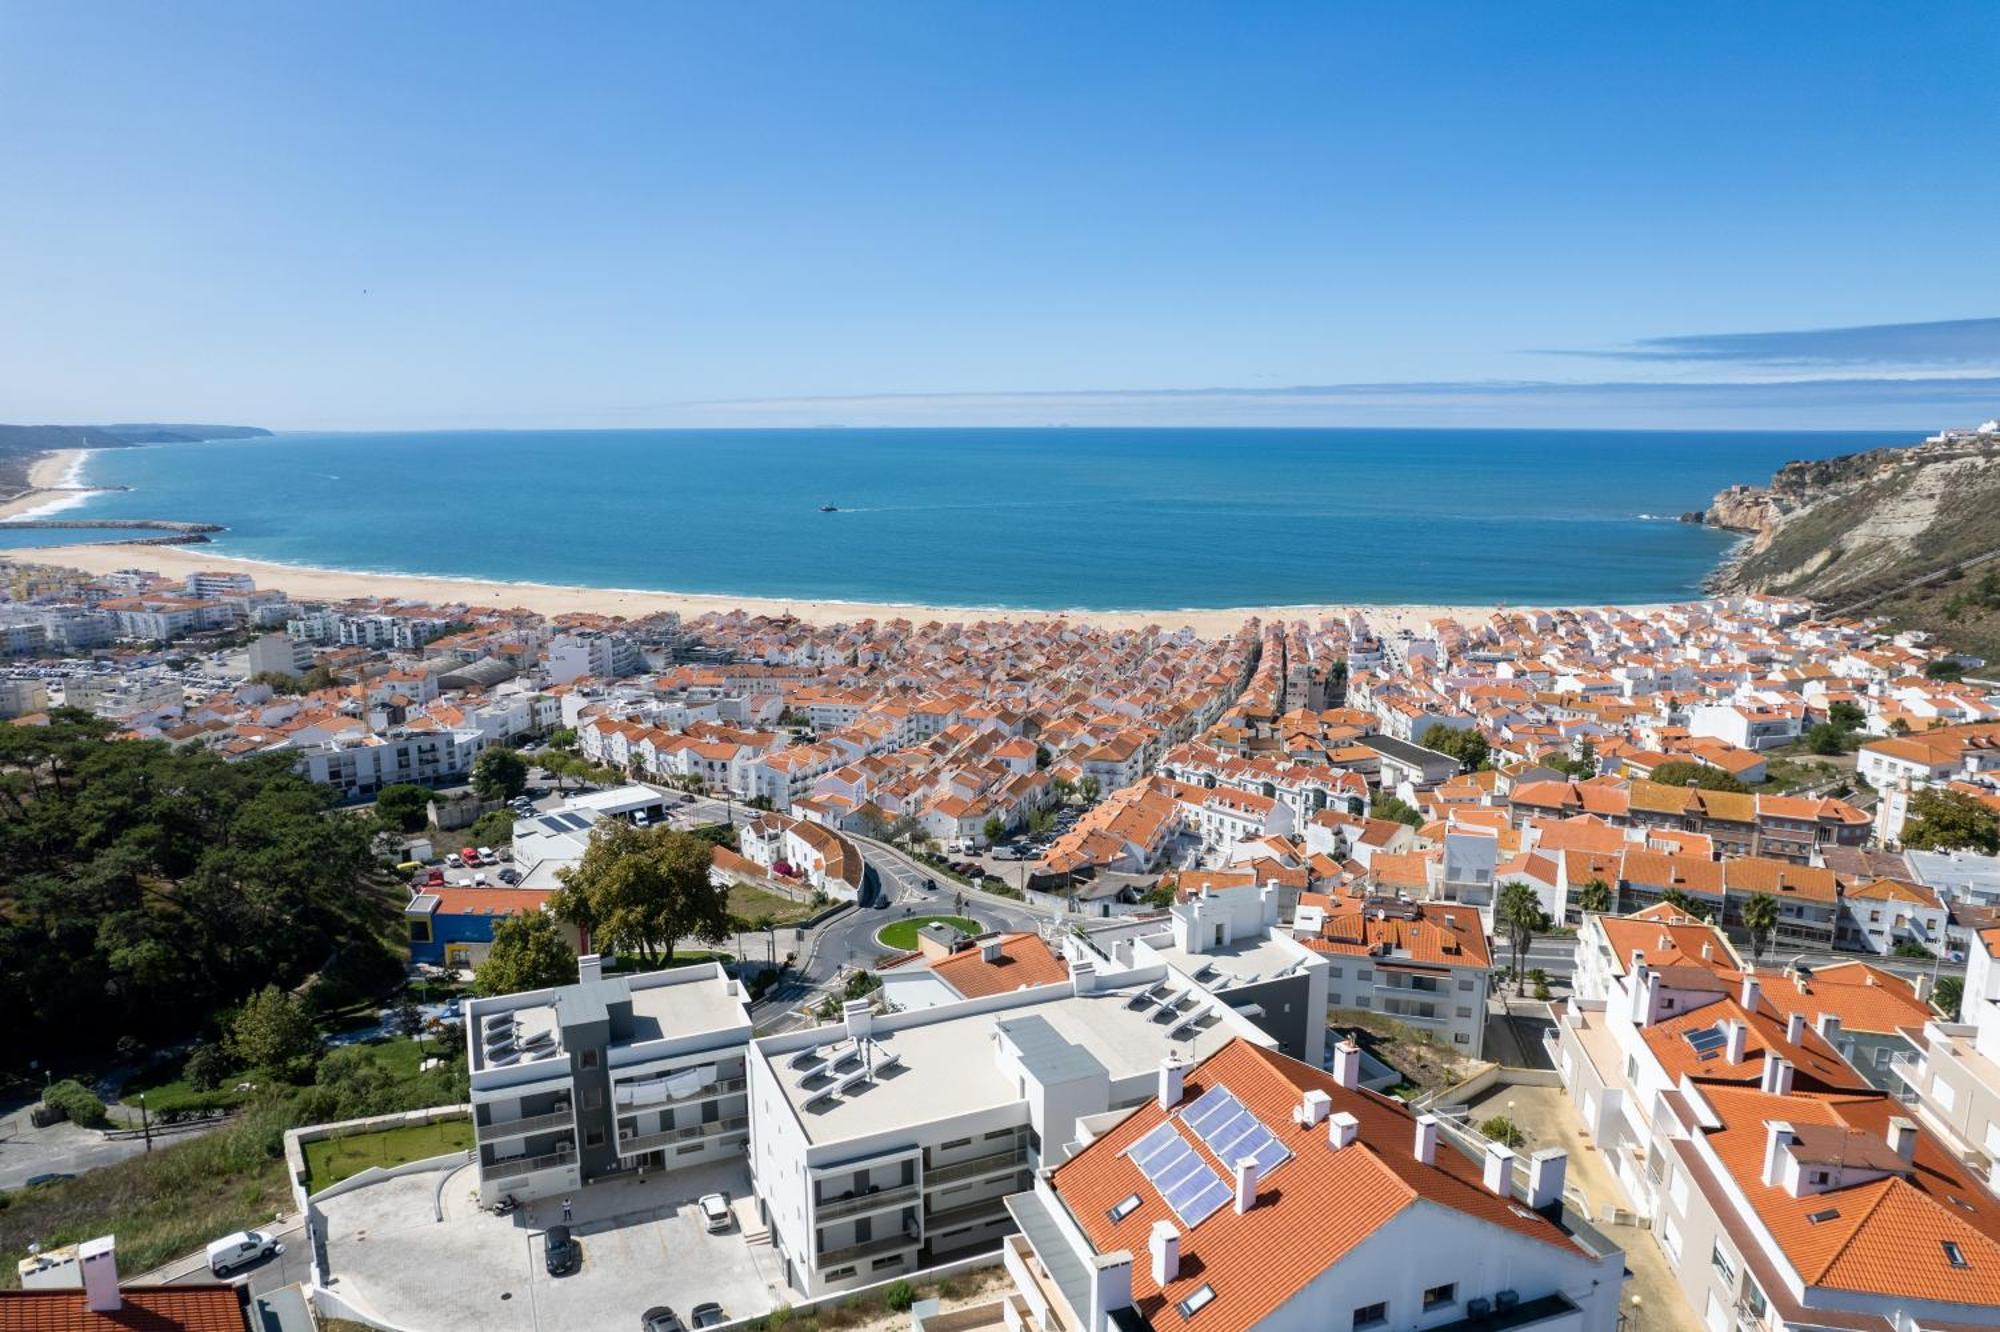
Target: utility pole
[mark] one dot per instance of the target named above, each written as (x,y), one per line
(145,1122)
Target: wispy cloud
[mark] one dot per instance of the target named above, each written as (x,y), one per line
(1936,345)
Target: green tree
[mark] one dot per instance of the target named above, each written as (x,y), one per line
(1504,1131)
(994,829)
(1594,896)
(1847,715)
(562,739)
(207,1065)
(1088,790)
(1944,668)
(1387,806)
(499,774)
(1466,744)
(1679,901)
(279,682)
(644,890)
(1946,820)
(274,1030)
(403,807)
(493,828)
(1041,822)
(1518,913)
(1826,738)
(1760,917)
(81,1104)
(1950,992)
(861,983)
(528,953)
(1682,772)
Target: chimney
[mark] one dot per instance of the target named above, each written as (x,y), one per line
(99,1260)
(590,967)
(1903,1138)
(1921,987)
(1753,990)
(1110,1286)
(1777,1078)
(1347,1064)
(1499,1173)
(1082,976)
(1172,1071)
(1707,950)
(989,949)
(1777,1137)
(859,1015)
(1829,1027)
(1733,1034)
(1248,1172)
(1426,1146)
(1313,1108)
(1166,1250)
(1638,967)
(1341,1130)
(1547,1170)
(1795,1028)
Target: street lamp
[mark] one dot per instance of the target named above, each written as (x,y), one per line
(145,1122)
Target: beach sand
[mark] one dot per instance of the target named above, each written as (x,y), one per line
(551,599)
(48,483)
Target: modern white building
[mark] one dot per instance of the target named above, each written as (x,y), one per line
(360,765)
(598,653)
(280,654)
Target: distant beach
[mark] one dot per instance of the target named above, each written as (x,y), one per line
(551,599)
(54,483)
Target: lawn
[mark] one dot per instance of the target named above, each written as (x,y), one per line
(161,1204)
(330,1160)
(748,903)
(903,934)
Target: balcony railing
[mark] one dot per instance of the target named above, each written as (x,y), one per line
(986,1209)
(515,1166)
(1909,1068)
(870,1249)
(646,1142)
(979,1165)
(527,1124)
(833,1209)
(720,1087)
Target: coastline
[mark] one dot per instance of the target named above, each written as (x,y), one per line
(55,481)
(308,584)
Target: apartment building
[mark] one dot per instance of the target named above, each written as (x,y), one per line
(598,653)
(611,1075)
(1254,1191)
(280,654)
(18,698)
(1953,1077)
(1423,963)
(890,1142)
(357,766)
(122,696)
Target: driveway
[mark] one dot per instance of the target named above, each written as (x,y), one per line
(643,1245)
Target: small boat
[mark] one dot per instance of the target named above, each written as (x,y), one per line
(829,508)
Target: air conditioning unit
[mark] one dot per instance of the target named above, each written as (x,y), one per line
(626,1134)
(560,1108)
(565,1146)
(1478,1307)
(1505,1299)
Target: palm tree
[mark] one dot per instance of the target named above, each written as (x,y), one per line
(1679,901)
(1518,913)
(1594,896)
(1760,917)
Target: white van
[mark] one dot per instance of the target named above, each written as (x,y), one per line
(232,1252)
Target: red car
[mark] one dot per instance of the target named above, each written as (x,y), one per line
(470,857)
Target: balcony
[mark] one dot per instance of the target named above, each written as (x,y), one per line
(647,1142)
(515,1166)
(986,1209)
(1011,1159)
(1909,1067)
(869,1249)
(720,1087)
(524,1126)
(834,1209)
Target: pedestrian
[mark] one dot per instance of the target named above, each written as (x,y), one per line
(566,1212)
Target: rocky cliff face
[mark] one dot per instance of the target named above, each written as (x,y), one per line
(1864,524)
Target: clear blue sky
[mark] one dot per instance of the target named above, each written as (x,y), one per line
(371,215)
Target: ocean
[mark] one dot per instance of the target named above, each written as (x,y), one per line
(1099,519)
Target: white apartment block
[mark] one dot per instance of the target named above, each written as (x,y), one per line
(597,653)
(359,766)
(280,654)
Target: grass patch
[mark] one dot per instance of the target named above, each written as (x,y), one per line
(166,1095)
(1426,1064)
(330,1160)
(902,935)
(161,1204)
(750,903)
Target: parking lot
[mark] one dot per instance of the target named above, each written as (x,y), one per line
(643,1245)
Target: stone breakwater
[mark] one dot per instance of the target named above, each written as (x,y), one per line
(175,533)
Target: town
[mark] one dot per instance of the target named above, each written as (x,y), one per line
(1560,969)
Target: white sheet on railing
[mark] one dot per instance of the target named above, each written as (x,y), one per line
(674,1087)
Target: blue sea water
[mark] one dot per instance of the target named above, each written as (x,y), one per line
(1054,518)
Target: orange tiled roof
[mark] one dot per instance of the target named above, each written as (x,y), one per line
(202,1308)
(1024,960)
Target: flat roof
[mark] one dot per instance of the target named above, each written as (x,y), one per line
(1238,963)
(947,1065)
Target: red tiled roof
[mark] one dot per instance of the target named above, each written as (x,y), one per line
(202,1308)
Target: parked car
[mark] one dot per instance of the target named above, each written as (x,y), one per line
(454,860)
(486,855)
(506,853)
(434,879)
(469,857)
(560,1252)
(715,1213)
(49,1177)
(479,879)
(709,1315)
(509,877)
(245,1247)
(660,1318)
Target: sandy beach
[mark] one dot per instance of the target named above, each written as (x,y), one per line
(50,484)
(552,599)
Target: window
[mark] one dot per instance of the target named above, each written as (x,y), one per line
(1439,1296)
(1723,1267)
(593,1098)
(1363,973)
(588,1059)
(1464,1010)
(1460,1038)
(1954,1255)
(1125,1207)
(1465,985)
(837,1273)
(880,1263)
(1362,1001)
(1372,1315)
(1196,1302)
(1823,1215)
(593,1139)
(1333,972)
(954,1144)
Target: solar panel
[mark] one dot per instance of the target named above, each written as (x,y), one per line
(1182,1178)
(1232,1132)
(1706,1041)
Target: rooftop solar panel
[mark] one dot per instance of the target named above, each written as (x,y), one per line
(1232,1132)
(1706,1041)
(1181,1177)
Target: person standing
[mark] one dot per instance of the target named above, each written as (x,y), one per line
(566,1212)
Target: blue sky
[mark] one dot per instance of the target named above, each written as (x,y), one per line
(386,215)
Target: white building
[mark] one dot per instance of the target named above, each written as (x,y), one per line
(594,652)
(360,765)
(280,654)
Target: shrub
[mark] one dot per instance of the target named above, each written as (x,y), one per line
(1504,1131)
(206,1067)
(900,1296)
(80,1103)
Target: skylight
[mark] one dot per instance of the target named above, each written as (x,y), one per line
(1128,1205)
(1170,1165)
(1954,1255)
(1232,1132)
(1826,1215)
(1707,1041)
(1196,1302)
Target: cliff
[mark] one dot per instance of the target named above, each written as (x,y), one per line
(1888,531)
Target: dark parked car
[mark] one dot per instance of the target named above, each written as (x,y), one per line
(660,1318)
(560,1251)
(709,1315)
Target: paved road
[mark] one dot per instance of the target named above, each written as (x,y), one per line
(26,1151)
(291,1267)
